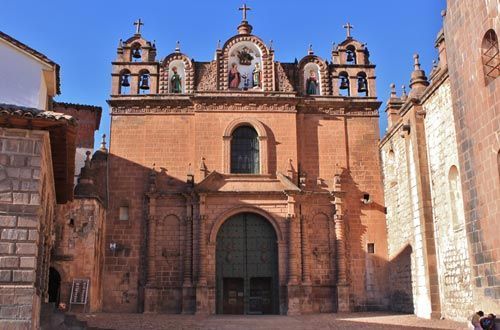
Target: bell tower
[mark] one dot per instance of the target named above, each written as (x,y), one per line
(135,70)
(354,74)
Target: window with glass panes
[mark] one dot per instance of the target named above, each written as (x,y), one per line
(245,150)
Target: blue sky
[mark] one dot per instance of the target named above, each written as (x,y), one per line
(82,35)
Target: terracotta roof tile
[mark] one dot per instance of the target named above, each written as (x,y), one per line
(25,112)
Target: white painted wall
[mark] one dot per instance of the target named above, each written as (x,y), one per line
(21,78)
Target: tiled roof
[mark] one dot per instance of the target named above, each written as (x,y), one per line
(35,53)
(32,113)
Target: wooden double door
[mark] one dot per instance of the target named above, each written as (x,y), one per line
(247,266)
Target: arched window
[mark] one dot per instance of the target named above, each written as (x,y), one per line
(456,202)
(344,84)
(490,56)
(136,53)
(124,87)
(350,54)
(362,84)
(245,150)
(144,80)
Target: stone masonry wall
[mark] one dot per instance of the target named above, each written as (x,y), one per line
(408,291)
(27,203)
(79,248)
(452,249)
(476,115)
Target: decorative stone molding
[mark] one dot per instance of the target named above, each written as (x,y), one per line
(188,69)
(323,71)
(267,62)
(263,148)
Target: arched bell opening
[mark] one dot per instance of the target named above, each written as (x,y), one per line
(351,55)
(490,56)
(54,290)
(144,82)
(247,280)
(344,84)
(362,84)
(135,53)
(124,87)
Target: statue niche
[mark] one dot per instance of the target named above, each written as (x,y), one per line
(312,79)
(245,67)
(176,77)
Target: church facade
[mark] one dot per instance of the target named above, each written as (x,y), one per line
(244,185)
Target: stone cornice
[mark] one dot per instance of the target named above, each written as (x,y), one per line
(252,101)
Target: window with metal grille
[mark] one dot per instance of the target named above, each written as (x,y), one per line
(245,150)
(490,56)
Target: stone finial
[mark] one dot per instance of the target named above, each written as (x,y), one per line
(103,143)
(271,44)
(393,90)
(178,47)
(333,46)
(218,44)
(203,167)
(403,94)
(310,51)
(416,62)
(418,81)
(120,43)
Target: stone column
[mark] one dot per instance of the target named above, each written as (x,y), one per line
(187,285)
(294,289)
(306,306)
(151,293)
(201,286)
(306,252)
(342,284)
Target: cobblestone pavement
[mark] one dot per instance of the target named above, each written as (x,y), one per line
(372,321)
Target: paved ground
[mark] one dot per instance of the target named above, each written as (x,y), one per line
(372,321)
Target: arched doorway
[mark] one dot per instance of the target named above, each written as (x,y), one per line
(54,286)
(247,266)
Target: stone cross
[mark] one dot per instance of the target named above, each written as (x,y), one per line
(138,25)
(244,8)
(348,27)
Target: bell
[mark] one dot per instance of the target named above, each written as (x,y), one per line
(125,82)
(350,57)
(362,85)
(144,83)
(344,84)
(136,53)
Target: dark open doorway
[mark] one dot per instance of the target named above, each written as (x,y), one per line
(54,286)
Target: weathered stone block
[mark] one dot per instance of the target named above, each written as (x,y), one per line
(26,248)
(15,234)
(5,276)
(28,221)
(6,248)
(27,262)
(7,221)
(23,275)
(9,262)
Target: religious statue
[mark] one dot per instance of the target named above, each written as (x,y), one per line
(312,84)
(234,77)
(245,57)
(176,81)
(256,74)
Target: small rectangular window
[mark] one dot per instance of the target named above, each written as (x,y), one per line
(124,213)
(371,247)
